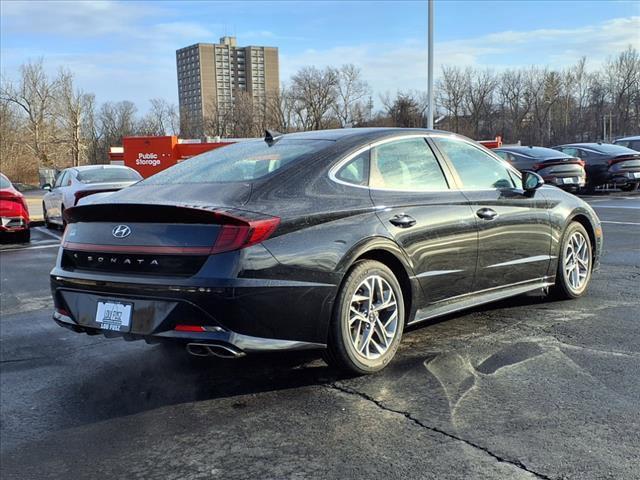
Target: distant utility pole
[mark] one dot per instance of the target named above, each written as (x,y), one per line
(430,67)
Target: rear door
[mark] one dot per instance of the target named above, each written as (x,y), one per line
(514,232)
(430,221)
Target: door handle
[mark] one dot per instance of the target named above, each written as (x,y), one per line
(487,213)
(403,221)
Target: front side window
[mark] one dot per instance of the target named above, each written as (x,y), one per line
(407,165)
(61,178)
(356,171)
(477,169)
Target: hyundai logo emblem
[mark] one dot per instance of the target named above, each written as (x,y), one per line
(121,231)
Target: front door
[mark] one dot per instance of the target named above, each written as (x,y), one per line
(514,231)
(431,222)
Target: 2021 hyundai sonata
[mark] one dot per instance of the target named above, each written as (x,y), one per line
(331,240)
(607,163)
(556,168)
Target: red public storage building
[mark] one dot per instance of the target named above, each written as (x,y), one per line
(150,155)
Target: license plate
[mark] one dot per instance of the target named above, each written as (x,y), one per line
(569,180)
(113,315)
(636,174)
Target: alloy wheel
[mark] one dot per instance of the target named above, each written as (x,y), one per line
(576,260)
(373,317)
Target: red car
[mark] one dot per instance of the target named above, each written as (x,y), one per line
(14,214)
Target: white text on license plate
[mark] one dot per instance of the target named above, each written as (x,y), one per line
(114,315)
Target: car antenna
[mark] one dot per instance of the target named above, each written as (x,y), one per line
(272,136)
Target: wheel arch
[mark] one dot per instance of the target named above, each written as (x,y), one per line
(585,221)
(389,254)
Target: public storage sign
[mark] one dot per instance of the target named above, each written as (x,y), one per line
(150,155)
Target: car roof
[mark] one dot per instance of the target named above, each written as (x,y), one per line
(370,133)
(95,167)
(624,139)
(600,147)
(537,152)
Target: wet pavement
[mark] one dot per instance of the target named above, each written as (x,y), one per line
(525,388)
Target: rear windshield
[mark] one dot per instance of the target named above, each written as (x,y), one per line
(612,149)
(238,162)
(106,175)
(541,153)
(4,182)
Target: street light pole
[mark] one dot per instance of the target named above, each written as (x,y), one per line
(430,66)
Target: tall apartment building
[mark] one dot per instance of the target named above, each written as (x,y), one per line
(211,75)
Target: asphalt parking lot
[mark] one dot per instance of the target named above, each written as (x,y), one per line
(520,389)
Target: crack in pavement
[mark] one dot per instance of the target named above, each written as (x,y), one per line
(515,463)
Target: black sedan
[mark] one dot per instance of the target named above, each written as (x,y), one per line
(554,167)
(606,164)
(332,240)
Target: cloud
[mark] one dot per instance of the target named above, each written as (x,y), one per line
(403,66)
(125,50)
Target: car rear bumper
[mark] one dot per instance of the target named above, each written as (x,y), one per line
(566,182)
(13,224)
(248,315)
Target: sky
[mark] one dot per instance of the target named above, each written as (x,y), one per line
(125,50)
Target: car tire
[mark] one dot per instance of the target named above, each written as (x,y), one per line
(47,223)
(363,340)
(575,263)
(24,236)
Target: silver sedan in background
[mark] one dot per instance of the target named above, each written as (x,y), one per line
(73,184)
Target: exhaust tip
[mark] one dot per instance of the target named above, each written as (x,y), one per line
(217,350)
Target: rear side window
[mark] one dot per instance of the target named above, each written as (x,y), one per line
(106,175)
(356,171)
(477,169)
(407,165)
(238,162)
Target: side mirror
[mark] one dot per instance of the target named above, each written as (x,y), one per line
(531,181)
(46,186)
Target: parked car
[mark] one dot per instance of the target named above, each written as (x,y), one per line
(554,167)
(630,142)
(606,164)
(75,183)
(333,240)
(14,212)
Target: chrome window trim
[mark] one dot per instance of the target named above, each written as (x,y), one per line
(341,163)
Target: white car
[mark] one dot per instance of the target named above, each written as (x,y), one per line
(73,184)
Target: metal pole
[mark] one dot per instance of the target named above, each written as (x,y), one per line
(430,67)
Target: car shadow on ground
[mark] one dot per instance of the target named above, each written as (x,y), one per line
(155,376)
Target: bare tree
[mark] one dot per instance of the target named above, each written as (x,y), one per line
(481,86)
(451,90)
(35,95)
(349,91)
(315,93)
(74,111)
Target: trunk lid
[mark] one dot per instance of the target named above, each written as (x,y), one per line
(560,167)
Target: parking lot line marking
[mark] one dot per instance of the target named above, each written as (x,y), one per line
(613,206)
(47,232)
(619,223)
(56,245)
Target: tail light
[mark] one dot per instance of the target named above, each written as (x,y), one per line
(581,162)
(237,232)
(189,328)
